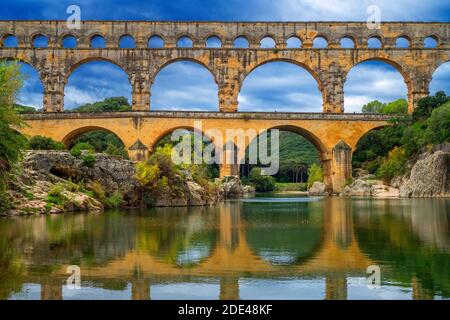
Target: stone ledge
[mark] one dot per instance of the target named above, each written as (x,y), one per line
(210,115)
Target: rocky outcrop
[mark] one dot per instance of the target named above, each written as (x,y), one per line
(318,189)
(232,187)
(56,181)
(369,188)
(429,177)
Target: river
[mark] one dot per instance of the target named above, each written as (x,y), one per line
(265,247)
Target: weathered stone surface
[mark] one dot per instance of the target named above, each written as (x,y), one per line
(429,177)
(318,189)
(369,188)
(231,187)
(229,66)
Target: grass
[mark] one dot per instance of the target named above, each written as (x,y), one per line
(290,186)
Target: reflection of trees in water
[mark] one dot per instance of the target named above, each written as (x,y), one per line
(410,236)
(11,268)
(184,237)
(283,233)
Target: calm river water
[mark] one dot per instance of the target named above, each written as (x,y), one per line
(266,247)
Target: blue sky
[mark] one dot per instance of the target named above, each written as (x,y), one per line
(185,85)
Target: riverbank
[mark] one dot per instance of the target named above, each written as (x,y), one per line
(428,176)
(56,182)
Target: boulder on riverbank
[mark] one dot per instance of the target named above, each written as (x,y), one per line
(369,188)
(318,189)
(429,177)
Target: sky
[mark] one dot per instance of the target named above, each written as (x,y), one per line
(185,85)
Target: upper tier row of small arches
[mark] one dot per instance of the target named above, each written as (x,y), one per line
(156,42)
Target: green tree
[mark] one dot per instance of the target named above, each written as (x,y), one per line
(399,106)
(113,104)
(315,173)
(438,130)
(394,165)
(79,147)
(10,140)
(261,182)
(373,107)
(44,143)
(426,105)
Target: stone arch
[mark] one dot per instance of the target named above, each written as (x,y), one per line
(435,38)
(66,37)
(72,135)
(404,71)
(350,37)
(402,38)
(39,37)
(9,36)
(260,63)
(296,38)
(160,135)
(97,35)
(126,37)
(378,37)
(185,37)
(445,67)
(156,36)
(267,38)
(71,68)
(211,37)
(243,37)
(317,143)
(318,37)
(190,59)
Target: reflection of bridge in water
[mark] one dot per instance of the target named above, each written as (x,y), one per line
(337,256)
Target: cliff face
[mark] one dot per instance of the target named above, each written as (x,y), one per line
(429,177)
(56,181)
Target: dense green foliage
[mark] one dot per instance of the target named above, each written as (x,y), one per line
(10,140)
(261,182)
(113,104)
(399,106)
(103,141)
(386,151)
(315,173)
(161,176)
(44,143)
(24,109)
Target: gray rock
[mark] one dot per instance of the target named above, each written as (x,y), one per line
(359,187)
(318,189)
(231,187)
(429,177)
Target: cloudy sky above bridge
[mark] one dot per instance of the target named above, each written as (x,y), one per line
(277,86)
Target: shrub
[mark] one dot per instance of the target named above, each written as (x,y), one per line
(115,200)
(89,160)
(315,173)
(98,191)
(394,165)
(262,183)
(114,150)
(56,196)
(438,129)
(44,143)
(81,146)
